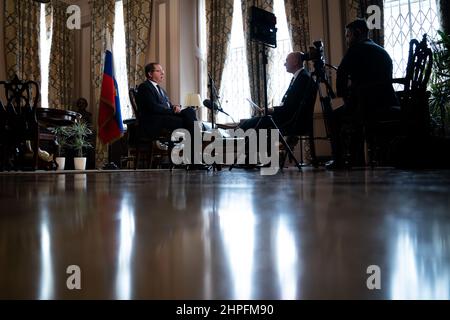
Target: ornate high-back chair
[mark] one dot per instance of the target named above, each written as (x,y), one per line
(19,123)
(414,98)
(412,117)
(4,137)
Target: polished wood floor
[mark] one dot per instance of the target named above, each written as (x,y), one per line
(226,235)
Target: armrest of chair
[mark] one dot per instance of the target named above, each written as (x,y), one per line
(131,121)
(398,80)
(226,126)
(402,81)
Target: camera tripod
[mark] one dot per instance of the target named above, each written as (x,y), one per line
(320,77)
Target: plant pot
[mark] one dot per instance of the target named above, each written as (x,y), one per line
(61,162)
(80,163)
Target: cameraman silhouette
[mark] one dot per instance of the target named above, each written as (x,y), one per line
(364,81)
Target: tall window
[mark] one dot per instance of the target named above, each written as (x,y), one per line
(120,61)
(45,42)
(280,78)
(119,54)
(235,82)
(235,87)
(406,20)
(202,56)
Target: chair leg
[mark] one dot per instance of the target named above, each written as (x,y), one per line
(136,159)
(171,146)
(301,151)
(150,156)
(370,147)
(293,141)
(371,153)
(312,149)
(35,147)
(283,157)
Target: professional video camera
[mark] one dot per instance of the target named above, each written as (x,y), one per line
(315,53)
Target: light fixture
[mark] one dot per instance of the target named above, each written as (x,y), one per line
(193,100)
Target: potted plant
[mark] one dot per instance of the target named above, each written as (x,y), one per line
(61,140)
(79,135)
(440,84)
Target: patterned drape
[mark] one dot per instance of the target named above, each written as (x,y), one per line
(444,10)
(219,18)
(254,61)
(61,73)
(21,20)
(358,9)
(137,16)
(102,20)
(297,15)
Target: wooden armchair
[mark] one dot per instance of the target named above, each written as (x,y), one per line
(151,150)
(301,127)
(411,119)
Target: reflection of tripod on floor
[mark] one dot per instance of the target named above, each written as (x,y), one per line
(267,118)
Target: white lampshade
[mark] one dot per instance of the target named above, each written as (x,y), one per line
(193,100)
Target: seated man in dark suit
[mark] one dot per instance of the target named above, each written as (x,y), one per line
(156,112)
(299,90)
(364,81)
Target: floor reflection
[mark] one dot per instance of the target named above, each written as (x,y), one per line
(237,228)
(126,239)
(80,181)
(46,275)
(227,235)
(420,263)
(286,260)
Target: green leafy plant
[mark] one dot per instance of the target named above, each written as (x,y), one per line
(62,139)
(440,84)
(79,135)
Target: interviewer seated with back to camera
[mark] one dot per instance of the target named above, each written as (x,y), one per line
(297,92)
(364,81)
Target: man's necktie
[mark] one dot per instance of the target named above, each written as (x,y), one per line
(287,91)
(292,82)
(163,96)
(160,91)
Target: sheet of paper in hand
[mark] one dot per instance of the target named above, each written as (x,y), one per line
(255,106)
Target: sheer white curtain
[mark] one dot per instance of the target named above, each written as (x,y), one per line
(235,87)
(120,61)
(235,82)
(280,78)
(45,42)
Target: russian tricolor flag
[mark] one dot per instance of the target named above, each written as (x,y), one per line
(110,126)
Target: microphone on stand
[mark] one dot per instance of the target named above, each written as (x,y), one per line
(217,107)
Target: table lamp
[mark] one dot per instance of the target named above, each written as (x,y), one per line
(193,100)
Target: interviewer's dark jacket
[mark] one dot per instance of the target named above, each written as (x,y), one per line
(296,103)
(365,73)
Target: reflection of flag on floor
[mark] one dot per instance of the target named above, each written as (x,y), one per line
(110,126)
